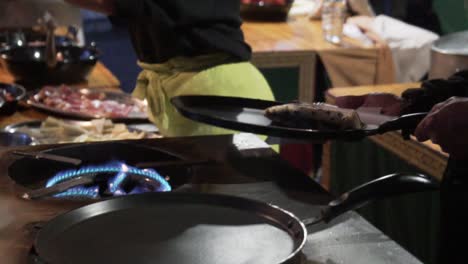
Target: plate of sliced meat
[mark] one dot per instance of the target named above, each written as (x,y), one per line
(302,121)
(87,104)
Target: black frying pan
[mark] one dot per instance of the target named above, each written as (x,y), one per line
(28,64)
(190,228)
(246,115)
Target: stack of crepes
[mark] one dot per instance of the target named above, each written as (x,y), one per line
(54,130)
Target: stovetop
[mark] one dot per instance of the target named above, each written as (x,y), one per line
(247,168)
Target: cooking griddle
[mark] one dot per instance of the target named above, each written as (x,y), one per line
(247,115)
(147,228)
(195,228)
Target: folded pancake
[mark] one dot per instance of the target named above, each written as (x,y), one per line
(314,116)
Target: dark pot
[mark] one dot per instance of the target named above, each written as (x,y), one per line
(265,11)
(27,64)
(12,37)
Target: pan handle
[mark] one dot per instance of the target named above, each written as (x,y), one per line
(385,187)
(407,123)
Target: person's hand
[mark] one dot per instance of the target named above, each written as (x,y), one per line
(390,104)
(447,126)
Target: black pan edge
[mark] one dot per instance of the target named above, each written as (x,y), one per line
(187,106)
(277,216)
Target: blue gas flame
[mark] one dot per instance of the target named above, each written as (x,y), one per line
(80,192)
(118,179)
(74,173)
(119,168)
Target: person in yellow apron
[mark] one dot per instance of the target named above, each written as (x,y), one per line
(186,47)
(195,76)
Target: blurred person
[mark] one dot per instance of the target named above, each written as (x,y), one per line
(186,47)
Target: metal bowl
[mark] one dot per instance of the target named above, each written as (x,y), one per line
(16,139)
(18,92)
(266,10)
(28,65)
(449,55)
(23,35)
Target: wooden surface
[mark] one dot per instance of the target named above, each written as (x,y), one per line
(426,156)
(296,35)
(100,77)
(396,89)
(295,43)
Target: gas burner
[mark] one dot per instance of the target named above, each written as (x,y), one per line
(120,169)
(111,179)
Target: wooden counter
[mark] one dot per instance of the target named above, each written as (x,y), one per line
(295,43)
(296,35)
(100,77)
(426,156)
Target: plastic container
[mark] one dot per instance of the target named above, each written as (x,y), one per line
(333,18)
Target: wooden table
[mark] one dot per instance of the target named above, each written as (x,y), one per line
(100,77)
(426,156)
(295,43)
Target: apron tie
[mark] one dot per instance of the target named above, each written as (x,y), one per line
(215,74)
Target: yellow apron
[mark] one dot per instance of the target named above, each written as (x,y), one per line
(158,83)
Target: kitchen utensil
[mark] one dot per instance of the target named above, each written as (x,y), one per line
(248,115)
(51,157)
(51,51)
(33,173)
(197,228)
(28,64)
(30,36)
(158,164)
(57,188)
